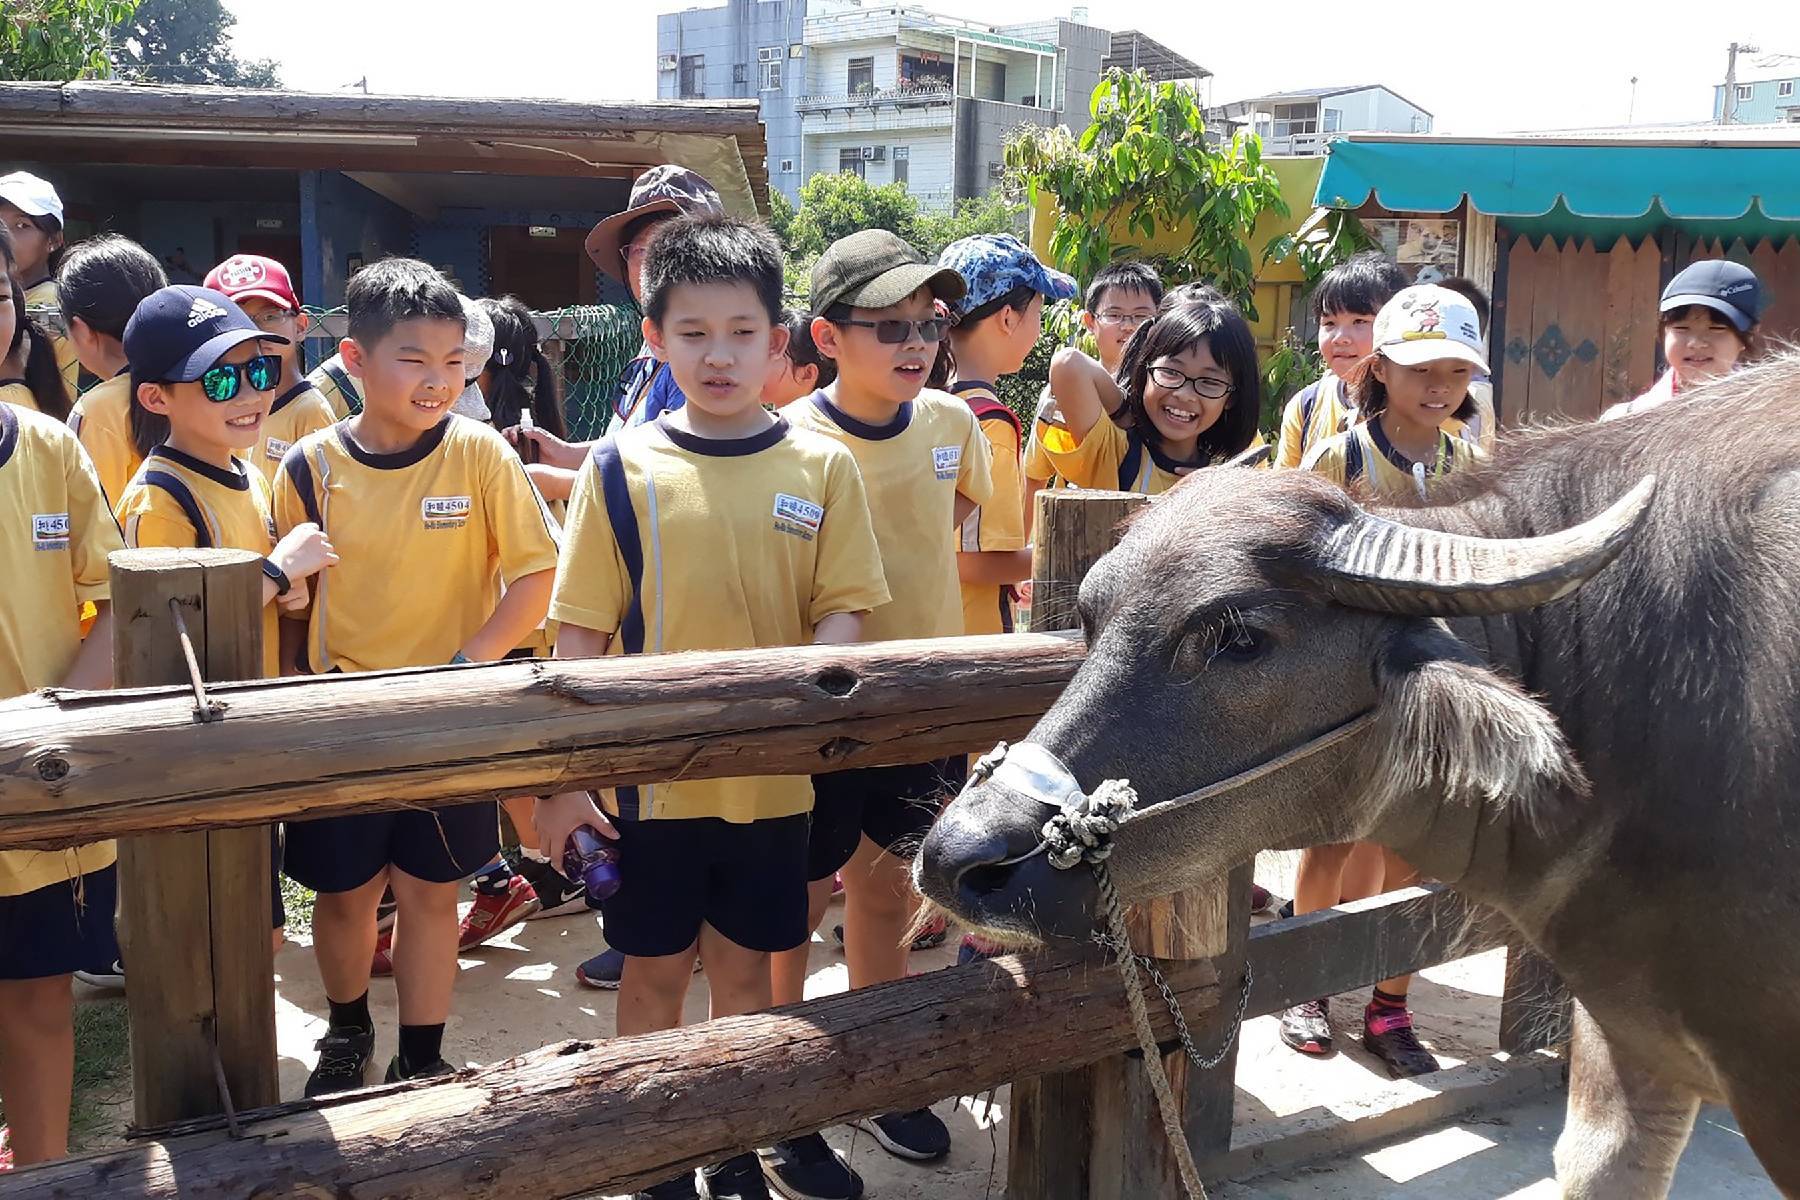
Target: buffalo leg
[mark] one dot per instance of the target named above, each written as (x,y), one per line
(1625,1129)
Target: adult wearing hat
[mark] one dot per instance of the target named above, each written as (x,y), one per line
(617,246)
(1707,324)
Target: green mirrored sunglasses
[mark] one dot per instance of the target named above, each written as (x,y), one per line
(222,383)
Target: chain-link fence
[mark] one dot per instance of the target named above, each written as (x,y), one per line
(590,346)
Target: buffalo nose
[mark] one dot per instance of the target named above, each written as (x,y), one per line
(964,862)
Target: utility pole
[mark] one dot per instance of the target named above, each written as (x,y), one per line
(1728,110)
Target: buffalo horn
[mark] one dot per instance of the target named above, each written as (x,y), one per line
(1381,565)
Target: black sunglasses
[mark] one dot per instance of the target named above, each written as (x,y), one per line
(223,382)
(898,333)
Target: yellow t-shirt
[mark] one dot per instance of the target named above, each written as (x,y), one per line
(1362,454)
(298,411)
(676,542)
(425,538)
(1037,464)
(178,500)
(331,378)
(56,530)
(102,420)
(15,393)
(912,467)
(999,524)
(1331,414)
(45,295)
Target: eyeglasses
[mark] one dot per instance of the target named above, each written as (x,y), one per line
(275,318)
(1118,318)
(898,333)
(223,382)
(1206,388)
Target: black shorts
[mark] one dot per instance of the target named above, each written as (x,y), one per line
(440,845)
(894,806)
(61,928)
(745,879)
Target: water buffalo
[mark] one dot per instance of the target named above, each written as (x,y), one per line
(1612,768)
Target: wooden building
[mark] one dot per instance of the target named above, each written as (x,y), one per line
(1575,235)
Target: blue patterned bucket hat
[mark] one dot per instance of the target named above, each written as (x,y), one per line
(993,264)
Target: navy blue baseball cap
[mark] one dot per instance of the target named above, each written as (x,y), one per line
(1727,288)
(179,333)
(993,264)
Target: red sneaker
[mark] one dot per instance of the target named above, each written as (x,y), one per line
(491,915)
(384,953)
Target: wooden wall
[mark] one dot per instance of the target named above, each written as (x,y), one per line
(1577,326)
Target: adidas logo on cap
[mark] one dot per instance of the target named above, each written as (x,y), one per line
(204,310)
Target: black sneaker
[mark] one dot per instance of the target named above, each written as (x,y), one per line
(344,1057)
(1307,1028)
(431,1070)
(385,909)
(682,1187)
(737,1178)
(807,1168)
(557,897)
(1388,1035)
(917,1135)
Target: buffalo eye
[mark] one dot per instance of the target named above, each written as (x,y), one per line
(1226,640)
(1239,642)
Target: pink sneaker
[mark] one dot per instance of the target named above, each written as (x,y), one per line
(491,915)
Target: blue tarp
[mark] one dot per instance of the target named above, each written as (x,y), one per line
(1525,179)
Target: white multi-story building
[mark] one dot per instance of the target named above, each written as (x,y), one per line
(1300,121)
(891,92)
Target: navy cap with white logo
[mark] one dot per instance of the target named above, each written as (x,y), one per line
(179,333)
(1728,288)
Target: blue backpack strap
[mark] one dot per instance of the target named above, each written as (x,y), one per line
(345,385)
(1354,466)
(1307,401)
(615,491)
(1132,462)
(184,496)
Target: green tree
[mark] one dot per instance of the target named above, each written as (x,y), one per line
(992,213)
(186,41)
(836,205)
(58,40)
(1145,166)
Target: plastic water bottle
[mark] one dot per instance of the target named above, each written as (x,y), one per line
(592,861)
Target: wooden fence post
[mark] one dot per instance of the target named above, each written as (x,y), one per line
(1094,1133)
(196,906)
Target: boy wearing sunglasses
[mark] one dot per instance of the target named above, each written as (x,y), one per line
(925,466)
(433,516)
(264,290)
(204,376)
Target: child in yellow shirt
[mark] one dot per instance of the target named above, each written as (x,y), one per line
(29,377)
(33,212)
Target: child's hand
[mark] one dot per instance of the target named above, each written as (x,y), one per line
(304,552)
(299,595)
(552,451)
(558,816)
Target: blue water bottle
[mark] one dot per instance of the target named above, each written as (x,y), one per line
(592,861)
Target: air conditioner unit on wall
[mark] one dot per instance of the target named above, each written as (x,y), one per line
(880,153)
(666,62)
(797,50)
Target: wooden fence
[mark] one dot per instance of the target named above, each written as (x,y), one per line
(577,1118)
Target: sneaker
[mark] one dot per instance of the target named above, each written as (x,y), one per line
(493,913)
(557,897)
(976,949)
(1286,910)
(917,1135)
(431,1070)
(344,1057)
(384,953)
(807,1168)
(737,1178)
(837,884)
(111,975)
(682,1187)
(1261,899)
(1307,1028)
(385,910)
(604,969)
(1388,1035)
(929,938)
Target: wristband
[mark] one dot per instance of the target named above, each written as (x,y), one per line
(283,584)
(459,658)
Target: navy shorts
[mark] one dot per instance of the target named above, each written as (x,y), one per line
(894,806)
(61,928)
(439,845)
(745,879)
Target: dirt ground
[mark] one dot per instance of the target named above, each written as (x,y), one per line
(520,992)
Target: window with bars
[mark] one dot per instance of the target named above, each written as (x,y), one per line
(861,77)
(768,69)
(902,165)
(850,161)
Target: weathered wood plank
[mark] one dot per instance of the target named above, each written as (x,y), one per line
(607,1116)
(77,766)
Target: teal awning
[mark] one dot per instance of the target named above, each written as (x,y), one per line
(1528,178)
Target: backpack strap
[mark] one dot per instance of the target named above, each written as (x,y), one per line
(1132,462)
(615,491)
(184,496)
(1307,401)
(987,408)
(1354,466)
(345,385)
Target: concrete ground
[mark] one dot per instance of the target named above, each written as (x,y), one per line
(519,993)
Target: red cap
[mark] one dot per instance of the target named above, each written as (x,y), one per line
(245,275)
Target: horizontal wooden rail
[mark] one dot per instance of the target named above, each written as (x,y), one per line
(79,766)
(609,1116)
(1363,942)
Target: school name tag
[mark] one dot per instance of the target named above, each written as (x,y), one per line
(274,449)
(947,460)
(50,531)
(796,516)
(445,512)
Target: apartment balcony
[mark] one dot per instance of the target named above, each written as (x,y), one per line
(886,111)
(902,97)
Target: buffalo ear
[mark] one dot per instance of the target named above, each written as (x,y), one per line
(1450,724)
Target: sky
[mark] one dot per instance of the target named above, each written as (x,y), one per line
(1486,68)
